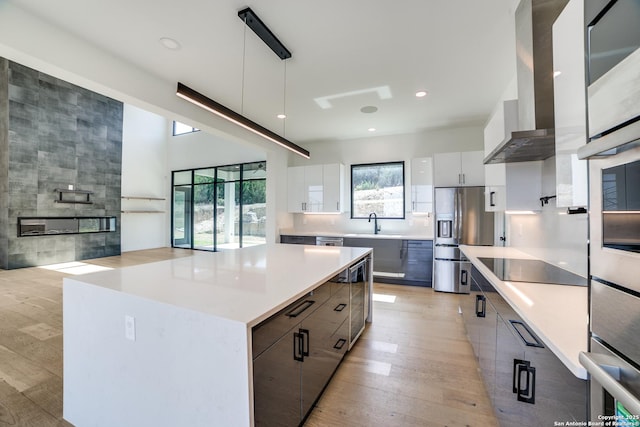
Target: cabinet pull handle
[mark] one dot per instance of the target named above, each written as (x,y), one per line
(463,277)
(297,347)
(459,178)
(304,333)
(300,308)
(340,307)
(517,325)
(526,394)
(340,343)
(492,198)
(338,206)
(483,311)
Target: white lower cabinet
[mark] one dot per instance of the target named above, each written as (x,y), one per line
(528,385)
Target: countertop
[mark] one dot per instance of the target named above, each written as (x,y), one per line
(380,235)
(246,285)
(558,314)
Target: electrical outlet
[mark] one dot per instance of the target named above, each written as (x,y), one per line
(130,327)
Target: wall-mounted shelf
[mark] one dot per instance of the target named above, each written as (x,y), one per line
(86,196)
(142,211)
(142,198)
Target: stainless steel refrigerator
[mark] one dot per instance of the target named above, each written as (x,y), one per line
(460,219)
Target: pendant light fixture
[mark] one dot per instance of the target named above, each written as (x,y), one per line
(262,31)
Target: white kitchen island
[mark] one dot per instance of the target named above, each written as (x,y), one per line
(169,343)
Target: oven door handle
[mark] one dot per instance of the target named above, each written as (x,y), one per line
(601,368)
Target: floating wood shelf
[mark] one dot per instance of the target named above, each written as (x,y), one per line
(62,191)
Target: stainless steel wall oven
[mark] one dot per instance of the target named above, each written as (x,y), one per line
(613,92)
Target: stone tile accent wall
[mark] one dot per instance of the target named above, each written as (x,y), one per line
(57,135)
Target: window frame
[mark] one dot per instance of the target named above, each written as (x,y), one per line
(404,188)
(193,130)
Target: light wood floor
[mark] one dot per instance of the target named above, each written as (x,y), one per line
(412,367)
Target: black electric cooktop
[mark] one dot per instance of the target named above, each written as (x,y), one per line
(531,270)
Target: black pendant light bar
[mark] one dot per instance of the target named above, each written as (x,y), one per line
(209,104)
(251,19)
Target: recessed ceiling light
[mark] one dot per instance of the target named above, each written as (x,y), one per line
(368,109)
(421,94)
(372,129)
(170,43)
(281,116)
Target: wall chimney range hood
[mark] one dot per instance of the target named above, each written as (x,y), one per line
(536,139)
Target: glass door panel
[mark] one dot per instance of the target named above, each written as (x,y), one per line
(203,236)
(254,212)
(182,216)
(227,209)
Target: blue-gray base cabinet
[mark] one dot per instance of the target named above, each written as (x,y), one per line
(528,385)
(396,261)
(298,240)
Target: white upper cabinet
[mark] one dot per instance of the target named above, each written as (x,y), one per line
(422,185)
(296,195)
(458,169)
(315,188)
(333,179)
(569,105)
(509,186)
(503,121)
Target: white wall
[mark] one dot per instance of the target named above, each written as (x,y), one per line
(551,234)
(381,149)
(202,149)
(144,174)
(30,41)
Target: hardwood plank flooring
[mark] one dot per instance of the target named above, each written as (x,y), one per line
(412,367)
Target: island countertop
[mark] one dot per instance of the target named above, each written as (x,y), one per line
(556,313)
(170,343)
(246,285)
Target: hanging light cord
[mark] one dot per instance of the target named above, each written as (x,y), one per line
(244,56)
(284,100)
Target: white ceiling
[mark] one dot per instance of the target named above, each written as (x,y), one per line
(349,52)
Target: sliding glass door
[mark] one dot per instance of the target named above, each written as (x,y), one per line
(220,207)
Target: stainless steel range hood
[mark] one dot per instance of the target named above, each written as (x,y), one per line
(536,139)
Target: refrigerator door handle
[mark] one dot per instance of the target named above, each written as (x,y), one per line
(458,216)
(444,228)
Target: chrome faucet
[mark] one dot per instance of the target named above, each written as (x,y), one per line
(375,222)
